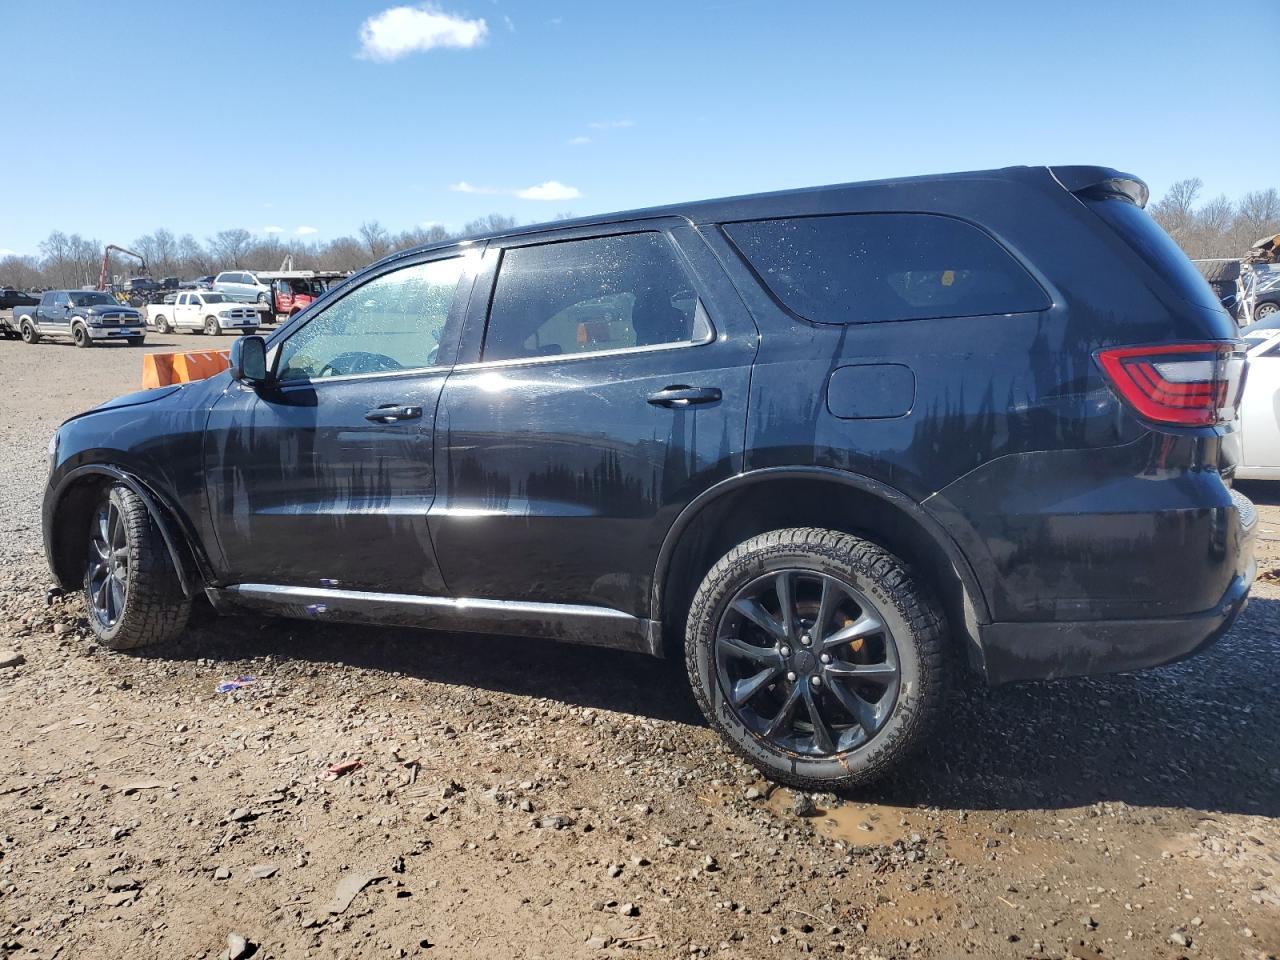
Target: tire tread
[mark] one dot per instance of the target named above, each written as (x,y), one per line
(913,603)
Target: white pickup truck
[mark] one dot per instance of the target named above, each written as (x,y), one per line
(203,310)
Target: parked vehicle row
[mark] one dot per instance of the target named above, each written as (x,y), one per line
(85,317)
(823,446)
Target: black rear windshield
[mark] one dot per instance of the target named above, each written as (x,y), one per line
(872,267)
(1158,249)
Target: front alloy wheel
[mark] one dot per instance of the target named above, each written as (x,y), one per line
(131,591)
(817,656)
(107,580)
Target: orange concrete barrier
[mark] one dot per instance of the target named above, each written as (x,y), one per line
(162,369)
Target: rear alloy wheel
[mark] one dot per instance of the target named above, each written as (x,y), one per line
(1264,310)
(816,656)
(162,325)
(211,327)
(131,591)
(80,336)
(27,331)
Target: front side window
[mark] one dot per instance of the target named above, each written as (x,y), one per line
(869,267)
(585,296)
(92,299)
(391,323)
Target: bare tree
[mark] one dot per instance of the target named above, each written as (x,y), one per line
(493,223)
(376,239)
(1260,214)
(1175,210)
(229,247)
(21,272)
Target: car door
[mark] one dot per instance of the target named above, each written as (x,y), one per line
(325,478)
(605,388)
(55,318)
(1260,407)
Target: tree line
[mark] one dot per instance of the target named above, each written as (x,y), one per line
(1218,227)
(72,260)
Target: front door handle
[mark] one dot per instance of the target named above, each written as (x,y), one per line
(392,413)
(682,396)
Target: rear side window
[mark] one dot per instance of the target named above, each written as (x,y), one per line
(586,296)
(869,267)
(1157,248)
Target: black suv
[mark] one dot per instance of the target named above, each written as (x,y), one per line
(815,442)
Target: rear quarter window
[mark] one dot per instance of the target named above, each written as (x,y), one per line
(1157,248)
(873,267)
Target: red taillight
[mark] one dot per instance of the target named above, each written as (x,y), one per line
(1189,384)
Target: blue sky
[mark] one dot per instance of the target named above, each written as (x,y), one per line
(291,114)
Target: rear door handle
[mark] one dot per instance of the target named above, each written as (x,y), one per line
(681,396)
(391,413)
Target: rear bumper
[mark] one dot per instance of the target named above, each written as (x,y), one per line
(1049,650)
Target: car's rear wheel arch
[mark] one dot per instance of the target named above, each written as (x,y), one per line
(79,494)
(779,498)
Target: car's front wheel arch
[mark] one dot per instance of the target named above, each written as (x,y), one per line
(67,518)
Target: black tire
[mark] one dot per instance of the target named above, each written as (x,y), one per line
(162,324)
(262,298)
(27,330)
(865,581)
(148,606)
(1264,310)
(80,335)
(211,328)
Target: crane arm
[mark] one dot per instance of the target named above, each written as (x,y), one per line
(106,262)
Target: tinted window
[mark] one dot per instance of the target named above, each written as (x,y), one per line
(862,268)
(393,322)
(1157,248)
(583,296)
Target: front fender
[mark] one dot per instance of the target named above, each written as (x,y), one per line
(59,540)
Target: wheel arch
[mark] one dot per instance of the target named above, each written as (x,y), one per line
(778,497)
(67,516)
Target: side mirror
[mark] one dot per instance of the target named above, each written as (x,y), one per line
(249,360)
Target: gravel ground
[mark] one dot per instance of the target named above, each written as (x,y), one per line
(522,799)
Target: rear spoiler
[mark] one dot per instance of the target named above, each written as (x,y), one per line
(1101,183)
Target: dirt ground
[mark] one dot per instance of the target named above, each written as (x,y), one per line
(524,799)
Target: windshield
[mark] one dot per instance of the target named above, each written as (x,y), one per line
(214,298)
(1157,248)
(91,299)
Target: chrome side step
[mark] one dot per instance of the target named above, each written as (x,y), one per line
(571,623)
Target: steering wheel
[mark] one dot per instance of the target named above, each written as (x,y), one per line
(358,361)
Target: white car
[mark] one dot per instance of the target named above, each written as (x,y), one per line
(243,286)
(202,310)
(1256,442)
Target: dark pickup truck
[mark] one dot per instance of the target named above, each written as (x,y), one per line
(85,316)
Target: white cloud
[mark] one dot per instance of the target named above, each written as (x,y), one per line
(611,124)
(400,31)
(463,187)
(306,231)
(579,141)
(273,229)
(6,252)
(550,190)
